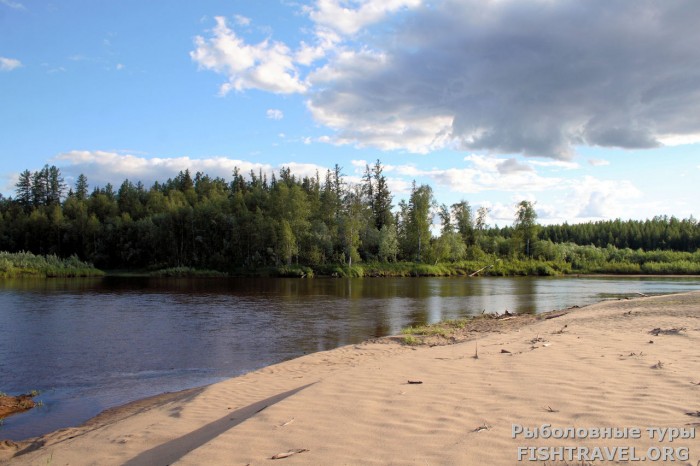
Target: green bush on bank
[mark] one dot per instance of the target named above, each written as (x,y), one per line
(27,264)
(294,271)
(187,272)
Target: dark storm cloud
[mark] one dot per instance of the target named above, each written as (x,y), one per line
(536,77)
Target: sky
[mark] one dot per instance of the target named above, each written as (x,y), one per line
(589,109)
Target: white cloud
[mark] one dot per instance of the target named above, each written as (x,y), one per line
(272,66)
(267,66)
(12,4)
(556,164)
(680,139)
(102,167)
(242,20)
(275,114)
(602,199)
(349,16)
(9,64)
(500,213)
(483,174)
(307,54)
(598,162)
(575,200)
(301,170)
(120,66)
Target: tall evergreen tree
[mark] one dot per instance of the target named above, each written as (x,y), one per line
(81,187)
(23,189)
(381,198)
(56,185)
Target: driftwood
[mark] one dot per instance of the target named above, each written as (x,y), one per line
(671,331)
(289,453)
(481,270)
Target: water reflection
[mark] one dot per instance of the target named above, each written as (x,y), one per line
(90,344)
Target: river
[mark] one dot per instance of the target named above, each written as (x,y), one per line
(91,344)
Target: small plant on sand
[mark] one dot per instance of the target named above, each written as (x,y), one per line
(427,330)
(411,340)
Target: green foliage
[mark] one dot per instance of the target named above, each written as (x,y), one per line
(291,226)
(28,264)
(411,340)
(187,272)
(294,271)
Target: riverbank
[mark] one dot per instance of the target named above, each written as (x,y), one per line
(620,364)
(515,268)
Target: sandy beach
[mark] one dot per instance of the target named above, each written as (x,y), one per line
(549,390)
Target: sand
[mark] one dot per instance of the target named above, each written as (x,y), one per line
(593,368)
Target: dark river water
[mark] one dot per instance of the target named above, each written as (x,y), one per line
(88,345)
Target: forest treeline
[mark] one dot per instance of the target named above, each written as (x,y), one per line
(319,223)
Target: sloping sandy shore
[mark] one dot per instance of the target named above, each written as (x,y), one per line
(592,369)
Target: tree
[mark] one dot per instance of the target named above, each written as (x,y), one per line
(462,213)
(445,219)
(23,188)
(526,224)
(40,186)
(81,187)
(56,185)
(381,198)
(388,243)
(351,224)
(417,218)
(448,247)
(288,243)
(481,215)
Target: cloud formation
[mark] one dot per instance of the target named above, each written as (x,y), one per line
(268,65)
(12,4)
(347,17)
(102,167)
(275,114)
(9,64)
(531,77)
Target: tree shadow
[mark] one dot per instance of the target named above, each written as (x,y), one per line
(169,452)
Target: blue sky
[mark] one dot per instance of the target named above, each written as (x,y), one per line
(588,108)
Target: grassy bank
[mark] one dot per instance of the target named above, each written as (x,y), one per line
(23,264)
(562,260)
(487,266)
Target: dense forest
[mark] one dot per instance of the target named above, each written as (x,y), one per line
(320,223)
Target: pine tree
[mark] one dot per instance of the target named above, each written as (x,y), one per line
(81,187)
(23,188)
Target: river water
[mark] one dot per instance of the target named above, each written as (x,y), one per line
(91,344)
